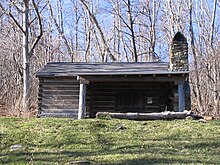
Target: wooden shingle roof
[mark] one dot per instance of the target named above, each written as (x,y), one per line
(77,69)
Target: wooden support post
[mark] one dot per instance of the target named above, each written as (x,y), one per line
(82,101)
(181,94)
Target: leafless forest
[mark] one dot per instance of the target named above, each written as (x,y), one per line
(34,32)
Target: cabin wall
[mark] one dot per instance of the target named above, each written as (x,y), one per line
(129,97)
(58,97)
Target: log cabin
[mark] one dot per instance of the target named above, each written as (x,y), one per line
(80,90)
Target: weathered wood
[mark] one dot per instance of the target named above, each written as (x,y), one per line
(60,106)
(124,85)
(60,87)
(61,97)
(60,92)
(60,83)
(181,94)
(82,101)
(58,96)
(60,101)
(65,69)
(134,78)
(148,116)
(82,80)
(60,115)
(72,79)
(60,110)
(104,96)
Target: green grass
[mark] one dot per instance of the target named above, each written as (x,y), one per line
(65,141)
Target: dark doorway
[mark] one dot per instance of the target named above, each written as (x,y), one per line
(130,102)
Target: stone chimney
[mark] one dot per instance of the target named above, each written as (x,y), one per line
(179,53)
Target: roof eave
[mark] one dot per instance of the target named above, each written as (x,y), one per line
(116,74)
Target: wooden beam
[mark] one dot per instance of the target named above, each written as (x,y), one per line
(82,101)
(135,78)
(181,94)
(82,80)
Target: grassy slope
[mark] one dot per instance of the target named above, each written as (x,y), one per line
(63,141)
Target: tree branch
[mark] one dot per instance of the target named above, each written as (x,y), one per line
(36,17)
(13,18)
(93,18)
(60,31)
(41,29)
(213,23)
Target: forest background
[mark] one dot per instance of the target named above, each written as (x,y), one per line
(34,32)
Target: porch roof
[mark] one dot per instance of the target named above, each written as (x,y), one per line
(92,69)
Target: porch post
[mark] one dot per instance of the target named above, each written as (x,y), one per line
(82,101)
(181,94)
(82,97)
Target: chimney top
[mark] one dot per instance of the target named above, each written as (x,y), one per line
(179,37)
(178,53)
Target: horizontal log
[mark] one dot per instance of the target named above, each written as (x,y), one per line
(103,103)
(101,98)
(59,79)
(60,97)
(104,106)
(45,110)
(60,93)
(148,116)
(60,87)
(103,109)
(59,101)
(124,83)
(59,115)
(130,91)
(60,106)
(130,78)
(60,83)
(152,106)
(133,86)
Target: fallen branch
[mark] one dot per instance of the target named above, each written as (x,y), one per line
(149,116)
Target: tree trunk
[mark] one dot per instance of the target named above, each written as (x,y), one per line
(152,18)
(131,22)
(213,22)
(26,58)
(197,84)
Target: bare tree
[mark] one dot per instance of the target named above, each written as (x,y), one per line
(195,60)
(60,27)
(94,20)
(27,48)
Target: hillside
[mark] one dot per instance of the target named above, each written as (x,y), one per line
(93,141)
